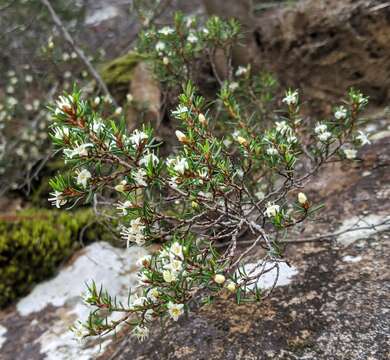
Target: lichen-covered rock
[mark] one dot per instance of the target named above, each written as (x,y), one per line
(38,326)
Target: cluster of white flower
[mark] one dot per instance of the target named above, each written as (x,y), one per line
(322,132)
(138,137)
(134,233)
(57,199)
(83,177)
(271,209)
(79,150)
(340,113)
(291,98)
(178,164)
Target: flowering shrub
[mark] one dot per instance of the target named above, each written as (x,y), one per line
(229,176)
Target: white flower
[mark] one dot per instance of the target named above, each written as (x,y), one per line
(324,136)
(82,177)
(350,153)
(79,150)
(65,56)
(140,177)
(97,100)
(136,301)
(241,70)
(141,332)
(175,310)
(118,111)
(362,137)
(192,38)
(173,182)
(165,60)
(340,113)
(134,233)
(177,250)
(137,137)
(320,128)
(60,133)
(168,276)
(149,158)
(97,126)
(57,199)
(219,278)
(302,199)
(129,98)
(123,206)
(14,80)
(271,209)
(28,78)
(174,266)
(181,165)
(166,30)
(291,97)
(148,314)
(233,86)
(272,151)
(181,109)
(153,294)
(282,127)
(10,89)
(64,103)
(160,46)
(291,139)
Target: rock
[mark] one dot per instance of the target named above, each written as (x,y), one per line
(326,47)
(146,93)
(38,326)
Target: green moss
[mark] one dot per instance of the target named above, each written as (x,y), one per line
(118,72)
(34,243)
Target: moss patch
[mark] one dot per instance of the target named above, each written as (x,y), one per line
(117,74)
(34,243)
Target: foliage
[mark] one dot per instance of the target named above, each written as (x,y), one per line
(239,169)
(34,242)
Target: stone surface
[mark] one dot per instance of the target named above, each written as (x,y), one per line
(324,47)
(38,326)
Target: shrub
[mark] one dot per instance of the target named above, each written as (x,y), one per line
(33,244)
(239,168)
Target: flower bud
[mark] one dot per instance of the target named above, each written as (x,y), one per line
(165,60)
(202,119)
(231,286)
(121,187)
(219,278)
(97,100)
(302,199)
(242,140)
(181,136)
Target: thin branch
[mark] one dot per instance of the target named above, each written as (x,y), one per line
(78,50)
